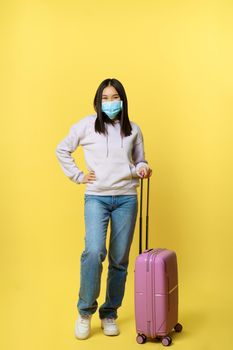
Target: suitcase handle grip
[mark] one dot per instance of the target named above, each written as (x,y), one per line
(147,215)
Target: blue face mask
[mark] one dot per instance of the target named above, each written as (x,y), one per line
(112,108)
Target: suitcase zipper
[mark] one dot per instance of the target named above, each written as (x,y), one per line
(152,253)
(149,284)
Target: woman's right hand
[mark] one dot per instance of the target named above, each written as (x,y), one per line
(89,177)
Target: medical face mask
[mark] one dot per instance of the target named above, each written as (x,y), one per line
(112,108)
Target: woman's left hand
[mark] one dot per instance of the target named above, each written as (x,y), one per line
(144,172)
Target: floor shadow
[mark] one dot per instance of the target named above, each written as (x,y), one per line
(191,322)
(121,320)
(96,330)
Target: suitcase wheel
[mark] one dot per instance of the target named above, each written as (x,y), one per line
(141,338)
(178,327)
(166,341)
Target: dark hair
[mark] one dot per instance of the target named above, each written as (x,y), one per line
(102,118)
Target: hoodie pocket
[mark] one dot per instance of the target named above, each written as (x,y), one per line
(112,174)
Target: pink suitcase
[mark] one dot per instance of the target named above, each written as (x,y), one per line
(156,289)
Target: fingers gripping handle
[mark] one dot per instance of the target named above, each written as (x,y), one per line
(147,215)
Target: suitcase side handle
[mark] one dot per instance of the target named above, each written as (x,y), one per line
(147,215)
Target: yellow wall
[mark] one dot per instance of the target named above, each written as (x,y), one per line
(175,60)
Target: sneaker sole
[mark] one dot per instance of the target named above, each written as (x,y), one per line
(81,337)
(110,333)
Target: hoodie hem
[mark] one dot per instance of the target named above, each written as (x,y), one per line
(111,192)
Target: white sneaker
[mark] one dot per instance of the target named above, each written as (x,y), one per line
(109,326)
(83,326)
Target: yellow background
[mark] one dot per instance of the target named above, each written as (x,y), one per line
(175,60)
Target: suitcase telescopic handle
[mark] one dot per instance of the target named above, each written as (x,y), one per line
(147,215)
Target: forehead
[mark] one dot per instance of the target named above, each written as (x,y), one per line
(110,90)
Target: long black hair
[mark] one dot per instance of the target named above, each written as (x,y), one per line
(102,118)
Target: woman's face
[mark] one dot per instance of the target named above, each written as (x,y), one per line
(110,94)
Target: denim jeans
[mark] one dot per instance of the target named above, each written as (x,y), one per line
(121,211)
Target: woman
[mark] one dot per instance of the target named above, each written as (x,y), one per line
(114,154)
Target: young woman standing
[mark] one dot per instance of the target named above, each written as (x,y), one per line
(115,159)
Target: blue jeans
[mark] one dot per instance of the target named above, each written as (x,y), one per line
(122,210)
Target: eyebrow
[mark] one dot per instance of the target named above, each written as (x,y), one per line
(112,95)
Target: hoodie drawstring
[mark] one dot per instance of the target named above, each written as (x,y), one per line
(107,146)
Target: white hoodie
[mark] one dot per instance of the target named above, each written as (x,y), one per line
(114,159)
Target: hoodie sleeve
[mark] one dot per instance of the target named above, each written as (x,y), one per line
(138,154)
(64,150)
